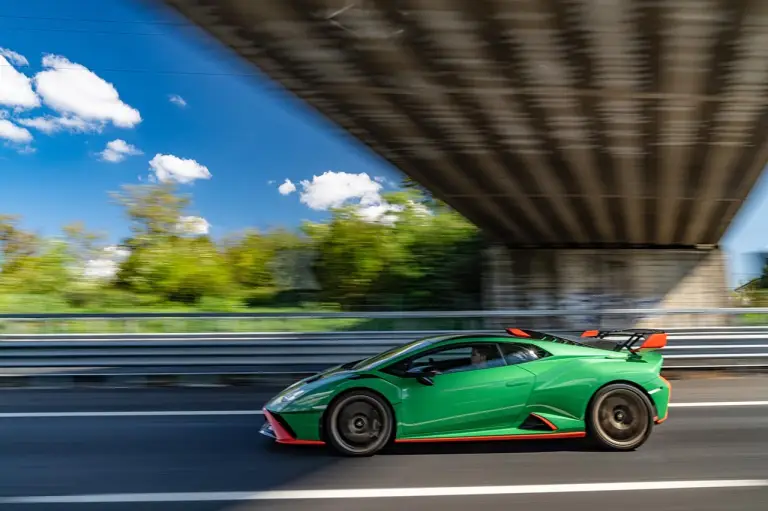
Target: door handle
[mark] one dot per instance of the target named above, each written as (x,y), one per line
(515,383)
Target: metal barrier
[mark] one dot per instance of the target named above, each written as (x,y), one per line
(386,314)
(302,321)
(276,353)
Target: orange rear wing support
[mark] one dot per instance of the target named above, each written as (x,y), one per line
(651,339)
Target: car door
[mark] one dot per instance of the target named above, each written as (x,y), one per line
(463,397)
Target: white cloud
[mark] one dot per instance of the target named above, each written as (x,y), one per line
(14,57)
(73,90)
(167,168)
(15,87)
(334,189)
(387,213)
(286,188)
(106,266)
(117,253)
(10,131)
(100,269)
(49,124)
(194,225)
(118,150)
(383,212)
(177,100)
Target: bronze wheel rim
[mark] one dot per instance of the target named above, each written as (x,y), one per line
(621,416)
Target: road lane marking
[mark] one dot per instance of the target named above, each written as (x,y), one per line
(717,404)
(381,492)
(715,347)
(700,337)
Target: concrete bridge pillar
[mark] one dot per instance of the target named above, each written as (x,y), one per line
(591,280)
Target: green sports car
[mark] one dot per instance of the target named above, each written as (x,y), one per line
(515,386)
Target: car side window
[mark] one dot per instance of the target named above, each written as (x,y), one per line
(521,353)
(455,359)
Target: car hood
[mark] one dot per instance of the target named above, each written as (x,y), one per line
(306,385)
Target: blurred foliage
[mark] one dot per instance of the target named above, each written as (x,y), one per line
(417,255)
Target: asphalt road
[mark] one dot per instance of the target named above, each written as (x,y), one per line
(64,459)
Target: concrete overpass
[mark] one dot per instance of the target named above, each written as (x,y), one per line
(584,135)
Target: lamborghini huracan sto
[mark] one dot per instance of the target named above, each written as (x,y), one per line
(604,386)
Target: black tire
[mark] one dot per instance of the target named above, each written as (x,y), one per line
(619,418)
(358,423)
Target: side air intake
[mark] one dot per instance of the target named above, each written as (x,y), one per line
(535,423)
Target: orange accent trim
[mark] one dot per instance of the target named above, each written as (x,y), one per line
(517,332)
(542,436)
(283,437)
(669,398)
(654,341)
(304,442)
(545,421)
(590,333)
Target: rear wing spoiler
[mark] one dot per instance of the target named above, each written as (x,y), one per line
(651,339)
(543,336)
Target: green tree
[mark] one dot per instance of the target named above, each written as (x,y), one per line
(83,245)
(422,195)
(154,211)
(418,254)
(163,261)
(15,243)
(413,256)
(249,257)
(177,270)
(352,254)
(47,272)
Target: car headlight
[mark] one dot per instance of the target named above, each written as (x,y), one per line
(288,396)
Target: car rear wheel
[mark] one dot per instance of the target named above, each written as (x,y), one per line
(620,417)
(359,423)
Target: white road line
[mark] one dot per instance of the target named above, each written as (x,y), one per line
(182,413)
(700,337)
(381,492)
(715,347)
(716,404)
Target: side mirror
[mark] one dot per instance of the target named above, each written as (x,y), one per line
(425,378)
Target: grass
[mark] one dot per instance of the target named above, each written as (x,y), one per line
(45,304)
(116,302)
(227,325)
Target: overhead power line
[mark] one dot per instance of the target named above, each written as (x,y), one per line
(149,71)
(86,20)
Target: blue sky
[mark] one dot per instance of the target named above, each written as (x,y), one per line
(249,136)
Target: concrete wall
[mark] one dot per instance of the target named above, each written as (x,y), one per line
(591,280)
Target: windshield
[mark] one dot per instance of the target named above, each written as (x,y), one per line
(394,352)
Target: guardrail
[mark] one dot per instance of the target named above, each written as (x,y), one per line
(385,314)
(139,345)
(260,353)
(303,321)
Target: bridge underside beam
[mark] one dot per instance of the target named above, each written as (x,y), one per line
(545,122)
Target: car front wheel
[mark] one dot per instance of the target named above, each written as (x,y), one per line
(359,423)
